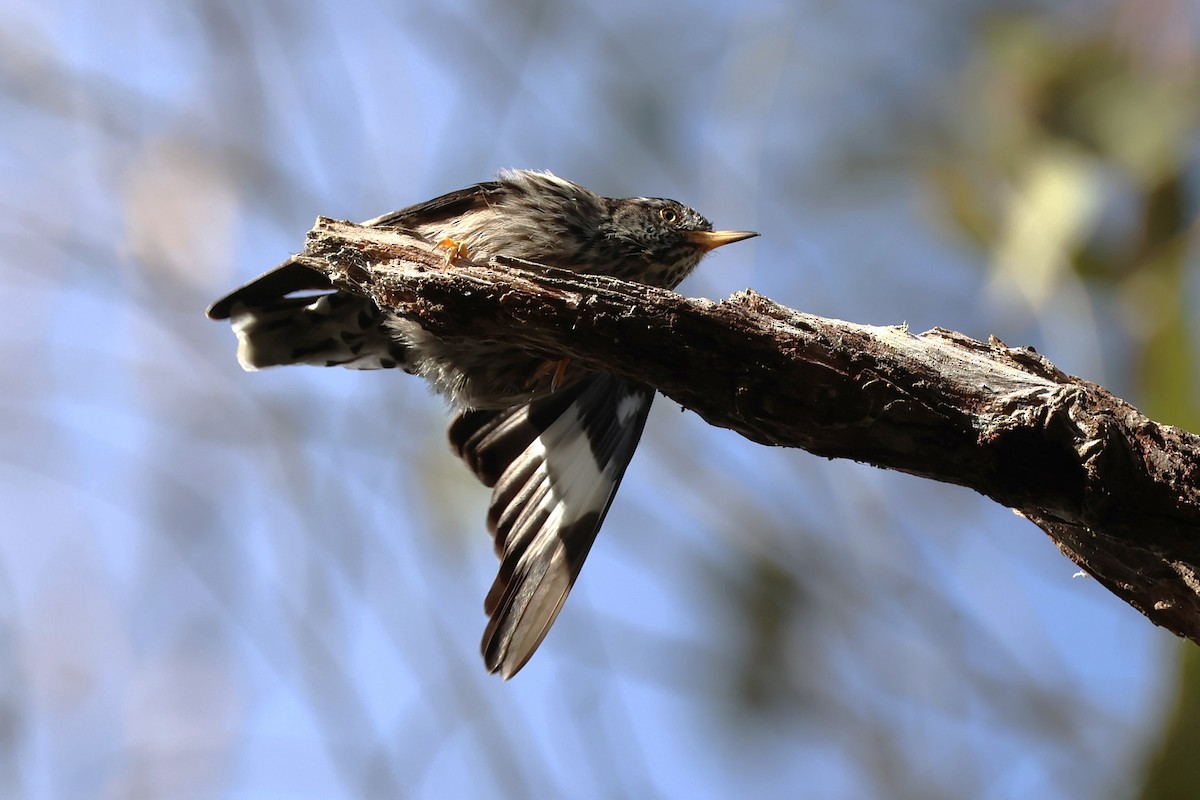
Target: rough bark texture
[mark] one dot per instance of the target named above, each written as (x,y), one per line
(1117,492)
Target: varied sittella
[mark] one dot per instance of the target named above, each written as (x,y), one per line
(550,438)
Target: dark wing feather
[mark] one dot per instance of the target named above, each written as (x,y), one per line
(555,465)
(291,276)
(287,278)
(439,209)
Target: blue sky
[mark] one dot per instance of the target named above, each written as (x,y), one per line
(218,584)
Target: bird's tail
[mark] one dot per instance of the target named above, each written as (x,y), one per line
(276,326)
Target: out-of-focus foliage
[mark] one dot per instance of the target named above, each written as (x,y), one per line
(221,584)
(1079,164)
(1074,163)
(1173,774)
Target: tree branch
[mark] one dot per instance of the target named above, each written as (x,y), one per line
(1118,493)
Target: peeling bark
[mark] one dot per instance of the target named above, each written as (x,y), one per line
(1117,492)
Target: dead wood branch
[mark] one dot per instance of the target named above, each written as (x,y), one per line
(1117,492)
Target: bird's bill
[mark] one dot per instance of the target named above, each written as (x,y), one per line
(711,240)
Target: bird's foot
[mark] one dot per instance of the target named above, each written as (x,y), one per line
(556,368)
(455,250)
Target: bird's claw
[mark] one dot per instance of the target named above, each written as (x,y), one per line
(556,368)
(455,250)
(560,374)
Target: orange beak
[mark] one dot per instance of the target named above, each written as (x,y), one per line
(711,240)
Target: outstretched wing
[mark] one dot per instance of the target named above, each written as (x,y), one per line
(554,465)
(293,315)
(291,277)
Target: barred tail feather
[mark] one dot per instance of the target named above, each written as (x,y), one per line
(331,330)
(324,327)
(554,466)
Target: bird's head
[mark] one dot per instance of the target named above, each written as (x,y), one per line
(665,236)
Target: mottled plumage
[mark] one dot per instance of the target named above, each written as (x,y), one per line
(553,443)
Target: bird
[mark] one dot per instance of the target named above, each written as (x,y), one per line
(551,439)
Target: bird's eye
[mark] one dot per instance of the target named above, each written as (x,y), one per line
(668,215)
